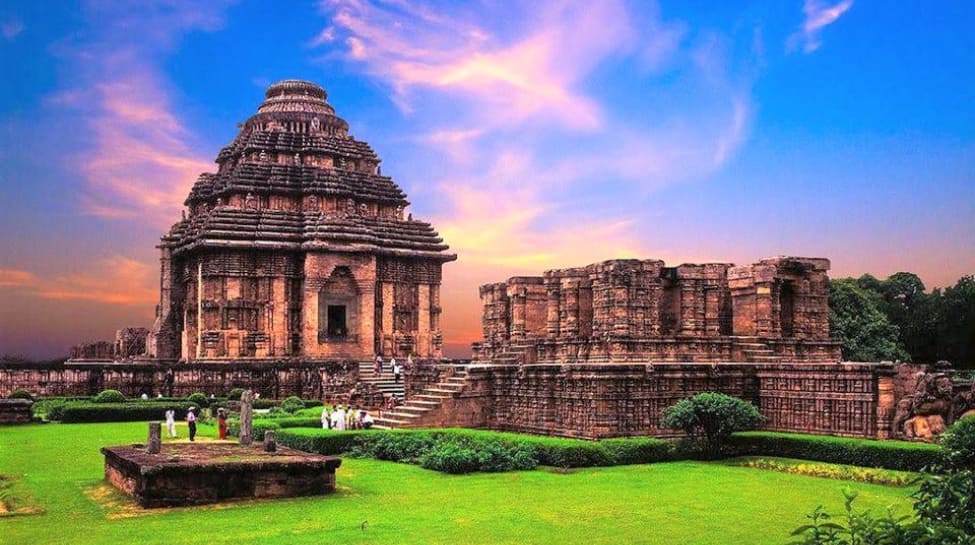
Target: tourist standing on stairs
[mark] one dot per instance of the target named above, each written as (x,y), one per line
(171,422)
(191,422)
(378,369)
(397,369)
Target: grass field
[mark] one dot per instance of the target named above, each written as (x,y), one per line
(60,468)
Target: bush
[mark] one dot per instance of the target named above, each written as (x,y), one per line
(21,394)
(638,450)
(56,411)
(110,396)
(712,417)
(328,442)
(450,457)
(898,455)
(199,399)
(235,394)
(77,412)
(958,442)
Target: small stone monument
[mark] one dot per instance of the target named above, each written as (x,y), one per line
(246,417)
(270,445)
(155,437)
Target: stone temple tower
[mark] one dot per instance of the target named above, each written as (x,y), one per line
(297,248)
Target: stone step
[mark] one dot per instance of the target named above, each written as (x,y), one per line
(424,402)
(442,390)
(408,409)
(432,397)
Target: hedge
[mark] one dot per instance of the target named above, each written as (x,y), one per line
(78,412)
(329,442)
(260,425)
(462,450)
(899,455)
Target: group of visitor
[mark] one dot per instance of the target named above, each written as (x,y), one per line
(343,418)
(394,366)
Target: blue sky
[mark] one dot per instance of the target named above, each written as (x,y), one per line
(534,135)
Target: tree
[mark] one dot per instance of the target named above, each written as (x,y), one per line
(712,417)
(857,319)
(957,328)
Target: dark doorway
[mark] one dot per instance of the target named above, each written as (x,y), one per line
(787,310)
(337,327)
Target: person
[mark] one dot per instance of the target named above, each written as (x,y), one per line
(326,418)
(338,419)
(409,362)
(379,364)
(159,395)
(191,422)
(397,369)
(144,396)
(222,423)
(171,422)
(366,419)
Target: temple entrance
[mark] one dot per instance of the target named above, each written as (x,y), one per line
(337,328)
(338,308)
(787,310)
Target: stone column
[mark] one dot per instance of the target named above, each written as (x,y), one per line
(569,327)
(155,437)
(763,309)
(552,311)
(517,314)
(270,445)
(279,317)
(246,415)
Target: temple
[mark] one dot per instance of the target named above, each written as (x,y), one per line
(632,310)
(297,248)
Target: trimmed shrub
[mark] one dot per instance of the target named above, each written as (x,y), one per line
(77,412)
(898,455)
(199,399)
(235,394)
(20,393)
(328,442)
(260,425)
(712,417)
(110,396)
(639,450)
(450,457)
(56,411)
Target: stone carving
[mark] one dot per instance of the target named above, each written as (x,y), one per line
(363,209)
(923,414)
(246,415)
(350,208)
(316,124)
(297,158)
(155,437)
(263,156)
(250,202)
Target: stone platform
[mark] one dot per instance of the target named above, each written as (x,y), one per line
(190,474)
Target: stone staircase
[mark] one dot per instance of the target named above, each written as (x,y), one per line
(421,409)
(756,351)
(384,382)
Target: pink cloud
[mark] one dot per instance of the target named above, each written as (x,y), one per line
(534,74)
(116,280)
(818,15)
(141,159)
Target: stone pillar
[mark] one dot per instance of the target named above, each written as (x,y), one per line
(279,333)
(552,311)
(569,327)
(246,415)
(763,309)
(517,314)
(423,345)
(389,303)
(270,445)
(153,444)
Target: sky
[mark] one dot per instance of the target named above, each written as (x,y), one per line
(533,135)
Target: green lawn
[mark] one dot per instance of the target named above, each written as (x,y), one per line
(678,503)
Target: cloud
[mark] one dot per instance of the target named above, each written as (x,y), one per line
(141,159)
(535,167)
(116,280)
(11,28)
(818,15)
(533,73)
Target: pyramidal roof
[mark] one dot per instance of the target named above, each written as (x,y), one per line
(294,179)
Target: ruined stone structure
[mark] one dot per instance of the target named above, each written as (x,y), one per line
(631,310)
(297,248)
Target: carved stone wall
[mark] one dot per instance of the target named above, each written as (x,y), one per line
(595,401)
(639,310)
(311,380)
